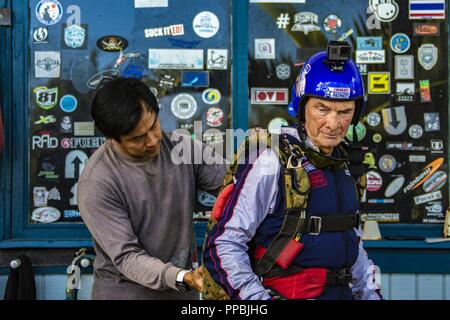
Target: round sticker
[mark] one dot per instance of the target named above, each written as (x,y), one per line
(211,96)
(206,24)
(374,181)
(214,117)
(332,23)
(40,34)
(46,215)
(435,182)
(49,12)
(360,132)
(387,163)
(184,106)
(66,143)
(377,138)
(394,186)
(206,198)
(373,119)
(68,103)
(283,71)
(275,125)
(400,43)
(415,131)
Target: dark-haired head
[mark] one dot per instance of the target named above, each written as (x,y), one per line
(119,104)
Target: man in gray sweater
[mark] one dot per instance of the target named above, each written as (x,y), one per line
(138,203)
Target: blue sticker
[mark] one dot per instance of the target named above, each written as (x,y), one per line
(369,43)
(195,79)
(68,103)
(68,214)
(183,43)
(49,12)
(133,71)
(400,43)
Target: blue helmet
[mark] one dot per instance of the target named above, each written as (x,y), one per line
(319,79)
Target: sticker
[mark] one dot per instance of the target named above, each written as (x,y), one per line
(435,207)
(306,22)
(360,131)
(428,55)
(417,158)
(387,163)
(46,119)
(66,143)
(427,29)
(426,173)
(132,71)
(432,122)
(175,59)
(171,31)
(206,24)
(46,215)
(317,179)
(283,71)
(405,92)
(264,48)
(283,20)
(184,106)
(374,181)
(75,163)
(369,160)
(47,169)
(44,141)
(40,35)
(275,125)
(217,59)
(404,67)
(75,36)
(425,92)
(373,119)
(195,79)
(370,56)
(381,201)
(40,196)
(84,128)
(400,43)
(428,197)
(346,35)
(427,9)
(377,138)
(332,23)
(214,117)
(95,80)
(404,146)
(213,137)
(333,92)
(66,124)
(49,12)
(415,131)
(151,3)
(394,186)
(437,146)
(379,82)
(112,43)
(71,214)
(47,64)
(269,96)
(381,217)
(369,43)
(205,198)
(211,96)
(82,143)
(166,82)
(362,68)
(54,194)
(436,182)
(394,120)
(73,200)
(385,11)
(183,43)
(68,103)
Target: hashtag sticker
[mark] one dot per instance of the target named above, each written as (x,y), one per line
(283,21)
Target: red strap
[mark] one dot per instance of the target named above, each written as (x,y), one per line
(221,202)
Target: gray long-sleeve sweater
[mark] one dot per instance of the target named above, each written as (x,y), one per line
(140,217)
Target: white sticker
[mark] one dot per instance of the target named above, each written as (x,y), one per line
(206,24)
(184,106)
(428,197)
(46,215)
(175,59)
(75,163)
(151,3)
(370,56)
(404,67)
(217,59)
(172,31)
(47,64)
(40,196)
(84,128)
(264,48)
(394,186)
(417,158)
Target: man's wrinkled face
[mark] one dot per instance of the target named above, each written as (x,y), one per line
(327,122)
(144,142)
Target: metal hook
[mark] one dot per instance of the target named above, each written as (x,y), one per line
(15,264)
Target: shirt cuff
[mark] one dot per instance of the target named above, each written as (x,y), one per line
(170,277)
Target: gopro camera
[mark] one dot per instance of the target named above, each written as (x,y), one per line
(337,53)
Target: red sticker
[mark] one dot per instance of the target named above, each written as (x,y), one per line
(317,179)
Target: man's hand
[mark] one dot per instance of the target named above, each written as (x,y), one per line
(194,279)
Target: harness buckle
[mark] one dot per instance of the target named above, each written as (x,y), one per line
(343,276)
(316,225)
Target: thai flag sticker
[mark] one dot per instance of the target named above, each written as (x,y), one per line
(427,9)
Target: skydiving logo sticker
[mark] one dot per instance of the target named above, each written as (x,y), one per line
(336,93)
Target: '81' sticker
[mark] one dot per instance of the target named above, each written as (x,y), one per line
(46,98)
